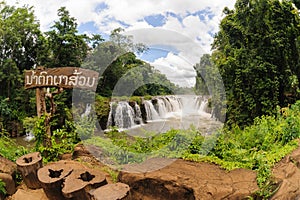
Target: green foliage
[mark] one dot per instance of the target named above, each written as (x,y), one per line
(21,43)
(257,53)
(257,147)
(67,47)
(2,187)
(62,141)
(9,149)
(122,148)
(85,127)
(102,108)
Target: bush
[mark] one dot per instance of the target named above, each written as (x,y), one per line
(61,141)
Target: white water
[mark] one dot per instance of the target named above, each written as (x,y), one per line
(151,113)
(87,110)
(163,113)
(29,136)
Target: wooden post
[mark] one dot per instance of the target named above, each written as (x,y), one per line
(40,101)
(28,165)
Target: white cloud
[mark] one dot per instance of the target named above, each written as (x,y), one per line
(187,35)
(177,69)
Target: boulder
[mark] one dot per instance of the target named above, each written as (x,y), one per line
(7,166)
(286,175)
(8,171)
(9,183)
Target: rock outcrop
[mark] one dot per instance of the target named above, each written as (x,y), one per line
(184,180)
(286,174)
(8,171)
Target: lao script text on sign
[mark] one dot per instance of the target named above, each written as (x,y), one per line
(64,77)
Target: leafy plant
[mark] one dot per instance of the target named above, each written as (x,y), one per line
(2,187)
(62,141)
(9,149)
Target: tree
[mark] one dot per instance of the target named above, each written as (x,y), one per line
(67,47)
(256,51)
(116,59)
(125,42)
(21,47)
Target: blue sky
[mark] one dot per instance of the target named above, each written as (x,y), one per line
(177,32)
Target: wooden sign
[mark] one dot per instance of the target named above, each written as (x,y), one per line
(63,77)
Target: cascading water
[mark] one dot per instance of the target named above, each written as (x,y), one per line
(125,115)
(151,113)
(29,136)
(161,107)
(121,115)
(137,114)
(167,106)
(87,110)
(201,104)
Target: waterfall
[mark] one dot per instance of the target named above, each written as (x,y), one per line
(29,136)
(137,114)
(110,115)
(203,105)
(151,113)
(87,110)
(122,115)
(161,107)
(126,115)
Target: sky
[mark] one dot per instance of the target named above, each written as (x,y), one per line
(177,32)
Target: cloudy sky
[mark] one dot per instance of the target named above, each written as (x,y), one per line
(177,32)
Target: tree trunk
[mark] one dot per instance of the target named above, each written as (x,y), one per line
(28,165)
(80,182)
(52,178)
